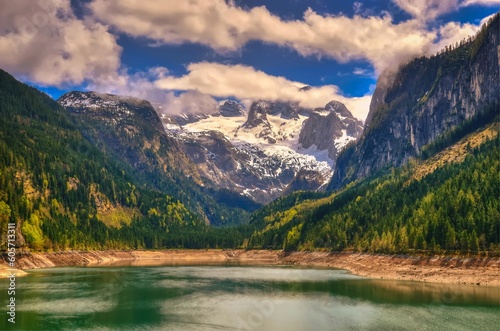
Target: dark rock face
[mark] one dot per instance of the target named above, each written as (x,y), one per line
(426,98)
(257,115)
(321,131)
(286,110)
(326,127)
(231,109)
(246,169)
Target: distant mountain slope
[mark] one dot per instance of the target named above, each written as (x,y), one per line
(427,98)
(129,128)
(277,148)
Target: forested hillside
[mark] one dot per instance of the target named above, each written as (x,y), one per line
(448,203)
(64,193)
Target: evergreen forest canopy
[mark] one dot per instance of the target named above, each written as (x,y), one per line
(454,209)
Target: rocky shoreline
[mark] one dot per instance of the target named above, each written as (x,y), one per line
(484,271)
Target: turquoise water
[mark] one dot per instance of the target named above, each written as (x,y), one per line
(241,298)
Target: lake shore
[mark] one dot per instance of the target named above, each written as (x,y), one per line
(484,271)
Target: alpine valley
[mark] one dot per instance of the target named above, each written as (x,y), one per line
(102,171)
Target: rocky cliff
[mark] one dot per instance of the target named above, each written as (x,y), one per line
(231,108)
(330,128)
(423,100)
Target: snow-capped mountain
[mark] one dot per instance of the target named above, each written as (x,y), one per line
(276,148)
(272,149)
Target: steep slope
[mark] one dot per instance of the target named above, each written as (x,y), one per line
(426,99)
(245,168)
(129,128)
(130,131)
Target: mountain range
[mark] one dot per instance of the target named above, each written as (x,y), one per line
(96,170)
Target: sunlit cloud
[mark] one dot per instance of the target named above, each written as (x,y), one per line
(47,44)
(244,82)
(226,27)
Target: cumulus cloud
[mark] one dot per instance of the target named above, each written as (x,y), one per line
(45,42)
(226,27)
(244,82)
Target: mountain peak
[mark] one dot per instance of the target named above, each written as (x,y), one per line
(231,108)
(257,115)
(330,128)
(339,108)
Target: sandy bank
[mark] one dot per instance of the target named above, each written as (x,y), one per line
(457,270)
(441,269)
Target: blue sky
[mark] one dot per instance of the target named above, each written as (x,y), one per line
(209,50)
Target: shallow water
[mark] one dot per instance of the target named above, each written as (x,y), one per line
(242,298)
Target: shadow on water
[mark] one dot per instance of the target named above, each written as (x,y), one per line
(402,292)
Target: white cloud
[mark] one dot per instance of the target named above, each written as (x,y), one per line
(360,72)
(452,33)
(45,42)
(427,10)
(226,27)
(142,85)
(188,102)
(243,82)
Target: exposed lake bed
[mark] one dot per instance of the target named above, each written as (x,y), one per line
(474,270)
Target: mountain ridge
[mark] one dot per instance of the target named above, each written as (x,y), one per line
(274,145)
